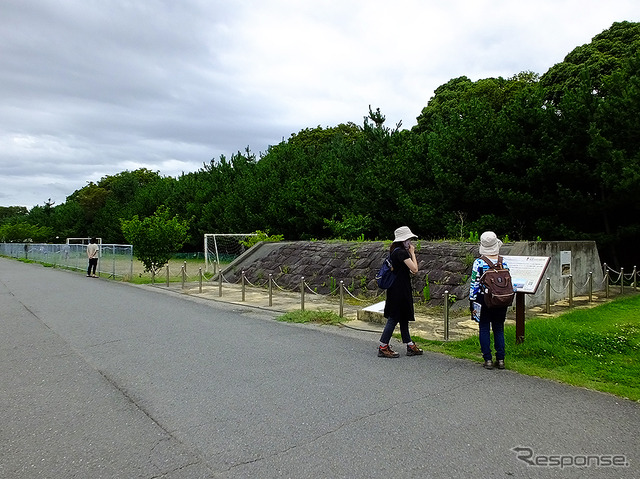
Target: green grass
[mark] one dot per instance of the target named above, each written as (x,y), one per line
(317,317)
(596,348)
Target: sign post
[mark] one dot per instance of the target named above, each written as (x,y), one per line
(526,275)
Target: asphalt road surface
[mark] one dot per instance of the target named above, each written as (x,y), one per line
(101,379)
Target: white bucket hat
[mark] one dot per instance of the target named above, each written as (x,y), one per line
(403,234)
(489,243)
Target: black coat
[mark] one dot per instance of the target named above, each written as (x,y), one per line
(399,303)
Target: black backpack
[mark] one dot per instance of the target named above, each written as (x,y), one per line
(386,276)
(496,285)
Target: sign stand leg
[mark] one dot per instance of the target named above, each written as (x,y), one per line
(519,318)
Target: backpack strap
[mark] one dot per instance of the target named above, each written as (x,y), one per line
(490,263)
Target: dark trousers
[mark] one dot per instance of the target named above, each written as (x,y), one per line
(492,319)
(390,326)
(93,264)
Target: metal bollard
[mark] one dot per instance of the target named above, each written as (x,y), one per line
(548,296)
(621,280)
(153,273)
(184,274)
(570,290)
(341,298)
(634,284)
(200,279)
(270,289)
(590,286)
(446,315)
(167,276)
(243,285)
(302,294)
(606,284)
(220,284)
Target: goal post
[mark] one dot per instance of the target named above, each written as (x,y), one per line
(83,241)
(223,248)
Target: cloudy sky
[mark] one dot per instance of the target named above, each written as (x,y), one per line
(90,88)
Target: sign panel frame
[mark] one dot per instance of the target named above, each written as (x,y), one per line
(527,272)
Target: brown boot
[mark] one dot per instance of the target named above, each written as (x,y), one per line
(387,352)
(413,350)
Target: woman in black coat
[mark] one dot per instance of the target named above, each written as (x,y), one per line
(398,308)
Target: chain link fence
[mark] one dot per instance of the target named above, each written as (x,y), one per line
(115,260)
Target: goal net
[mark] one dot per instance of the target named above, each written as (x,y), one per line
(221,249)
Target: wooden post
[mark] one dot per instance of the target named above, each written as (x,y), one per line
(519,318)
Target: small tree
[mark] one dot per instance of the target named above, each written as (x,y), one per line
(156,237)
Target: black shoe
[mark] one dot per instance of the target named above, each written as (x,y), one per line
(488,364)
(499,364)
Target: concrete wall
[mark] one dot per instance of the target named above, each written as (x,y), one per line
(444,266)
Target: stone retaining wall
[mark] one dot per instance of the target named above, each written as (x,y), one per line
(443,266)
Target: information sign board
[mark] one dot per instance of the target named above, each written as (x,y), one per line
(527,271)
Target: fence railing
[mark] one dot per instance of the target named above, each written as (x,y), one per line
(115,260)
(623,282)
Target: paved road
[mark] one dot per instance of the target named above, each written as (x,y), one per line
(106,380)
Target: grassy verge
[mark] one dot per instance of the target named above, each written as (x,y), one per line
(596,348)
(317,317)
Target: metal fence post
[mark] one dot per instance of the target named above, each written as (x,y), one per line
(590,286)
(341,298)
(570,290)
(446,315)
(548,296)
(302,293)
(270,289)
(242,282)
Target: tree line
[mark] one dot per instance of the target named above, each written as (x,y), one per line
(551,157)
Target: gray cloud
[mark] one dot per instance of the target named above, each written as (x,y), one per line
(90,88)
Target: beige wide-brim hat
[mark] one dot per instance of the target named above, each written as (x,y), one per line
(403,234)
(489,243)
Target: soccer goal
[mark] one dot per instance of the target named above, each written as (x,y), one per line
(84,241)
(223,248)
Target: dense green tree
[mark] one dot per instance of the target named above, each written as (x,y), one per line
(155,238)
